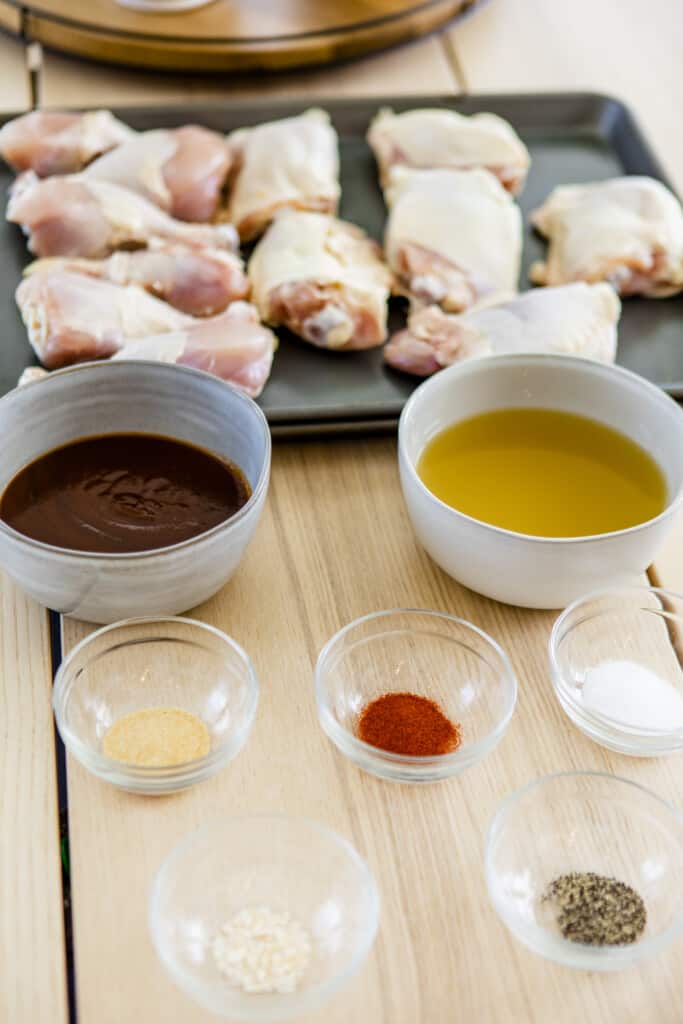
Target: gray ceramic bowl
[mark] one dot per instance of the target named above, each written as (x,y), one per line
(155,398)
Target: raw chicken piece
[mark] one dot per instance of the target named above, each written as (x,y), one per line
(31,374)
(453,238)
(323,279)
(574,319)
(71,318)
(182,170)
(289,163)
(234,346)
(435,138)
(74,216)
(200,282)
(628,231)
(52,142)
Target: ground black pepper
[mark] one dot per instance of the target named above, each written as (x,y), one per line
(595,910)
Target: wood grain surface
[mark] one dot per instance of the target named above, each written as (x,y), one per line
(335,543)
(14,94)
(630,50)
(32,967)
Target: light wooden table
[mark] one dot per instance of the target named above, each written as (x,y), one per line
(442,955)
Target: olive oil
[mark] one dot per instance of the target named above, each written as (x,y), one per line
(544,473)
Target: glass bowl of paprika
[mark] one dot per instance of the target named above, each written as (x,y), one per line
(412,695)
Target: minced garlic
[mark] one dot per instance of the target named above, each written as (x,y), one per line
(263,950)
(157,738)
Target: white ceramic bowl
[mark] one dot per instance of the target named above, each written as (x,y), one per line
(143,663)
(538,572)
(286,864)
(153,398)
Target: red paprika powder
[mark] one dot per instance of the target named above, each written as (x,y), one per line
(405,723)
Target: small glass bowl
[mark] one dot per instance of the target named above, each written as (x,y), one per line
(642,625)
(149,662)
(427,653)
(585,821)
(285,864)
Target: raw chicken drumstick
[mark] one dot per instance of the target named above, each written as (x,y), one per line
(435,138)
(233,346)
(574,319)
(76,216)
(453,238)
(71,318)
(52,142)
(200,282)
(628,231)
(181,170)
(323,279)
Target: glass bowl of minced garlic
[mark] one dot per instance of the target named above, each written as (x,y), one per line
(264,917)
(586,869)
(155,705)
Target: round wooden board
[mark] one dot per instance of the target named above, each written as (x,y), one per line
(227,35)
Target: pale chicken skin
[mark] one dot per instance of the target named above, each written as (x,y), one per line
(435,138)
(76,216)
(183,170)
(574,319)
(453,238)
(627,231)
(199,282)
(292,163)
(72,318)
(234,346)
(322,278)
(55,142)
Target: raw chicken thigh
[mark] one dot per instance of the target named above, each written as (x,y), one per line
(437,138)
(234,346)
(71,318)
(75,216)
(574,319)
(289,163)
(200,282)
(453,238)
(182,170)
(323,279)
(51,142)
(628,231)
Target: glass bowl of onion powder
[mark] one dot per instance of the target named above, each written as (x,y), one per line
(586,869)
(615,660)
(155,705)
(262,918)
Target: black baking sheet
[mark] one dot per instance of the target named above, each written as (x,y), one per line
(572,138)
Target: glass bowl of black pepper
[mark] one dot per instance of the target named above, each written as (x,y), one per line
(586,869)
(412,695)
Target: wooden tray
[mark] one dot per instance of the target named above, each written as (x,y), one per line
(227,35)
(572,137)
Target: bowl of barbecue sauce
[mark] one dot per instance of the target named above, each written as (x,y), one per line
(128,488)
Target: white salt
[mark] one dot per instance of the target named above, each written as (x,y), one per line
(633,695)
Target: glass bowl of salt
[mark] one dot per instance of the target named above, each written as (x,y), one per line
(615,660)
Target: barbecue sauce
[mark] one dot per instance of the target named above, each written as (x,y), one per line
(120,493)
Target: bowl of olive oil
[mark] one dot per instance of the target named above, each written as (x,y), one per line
(534,479)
